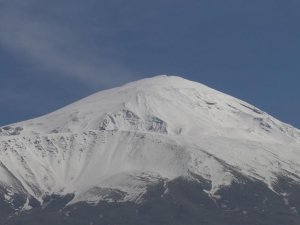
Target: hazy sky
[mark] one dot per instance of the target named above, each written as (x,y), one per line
(56,51)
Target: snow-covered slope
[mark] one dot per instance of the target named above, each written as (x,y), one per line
(115,143)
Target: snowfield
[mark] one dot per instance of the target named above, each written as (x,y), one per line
(114,144)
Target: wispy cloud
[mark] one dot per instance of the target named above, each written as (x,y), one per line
(56,47)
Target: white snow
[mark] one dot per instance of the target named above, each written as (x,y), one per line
(146,131)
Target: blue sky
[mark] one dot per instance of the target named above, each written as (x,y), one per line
(55,52)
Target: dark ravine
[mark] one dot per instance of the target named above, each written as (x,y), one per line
(247,202)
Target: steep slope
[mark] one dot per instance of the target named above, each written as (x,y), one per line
(114,144)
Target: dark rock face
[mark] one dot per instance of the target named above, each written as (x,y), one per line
(8,130)
(184,203)
(115,121)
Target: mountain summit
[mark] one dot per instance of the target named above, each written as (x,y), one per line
(114,145)
(162,104)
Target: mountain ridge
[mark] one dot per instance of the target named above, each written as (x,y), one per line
(112,145)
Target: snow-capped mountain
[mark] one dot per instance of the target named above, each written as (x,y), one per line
(114,145)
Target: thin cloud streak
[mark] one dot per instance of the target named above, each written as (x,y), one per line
(56,47)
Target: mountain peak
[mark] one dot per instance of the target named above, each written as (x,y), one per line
(164,81)
(167,80)
(164,104)
(144,132)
